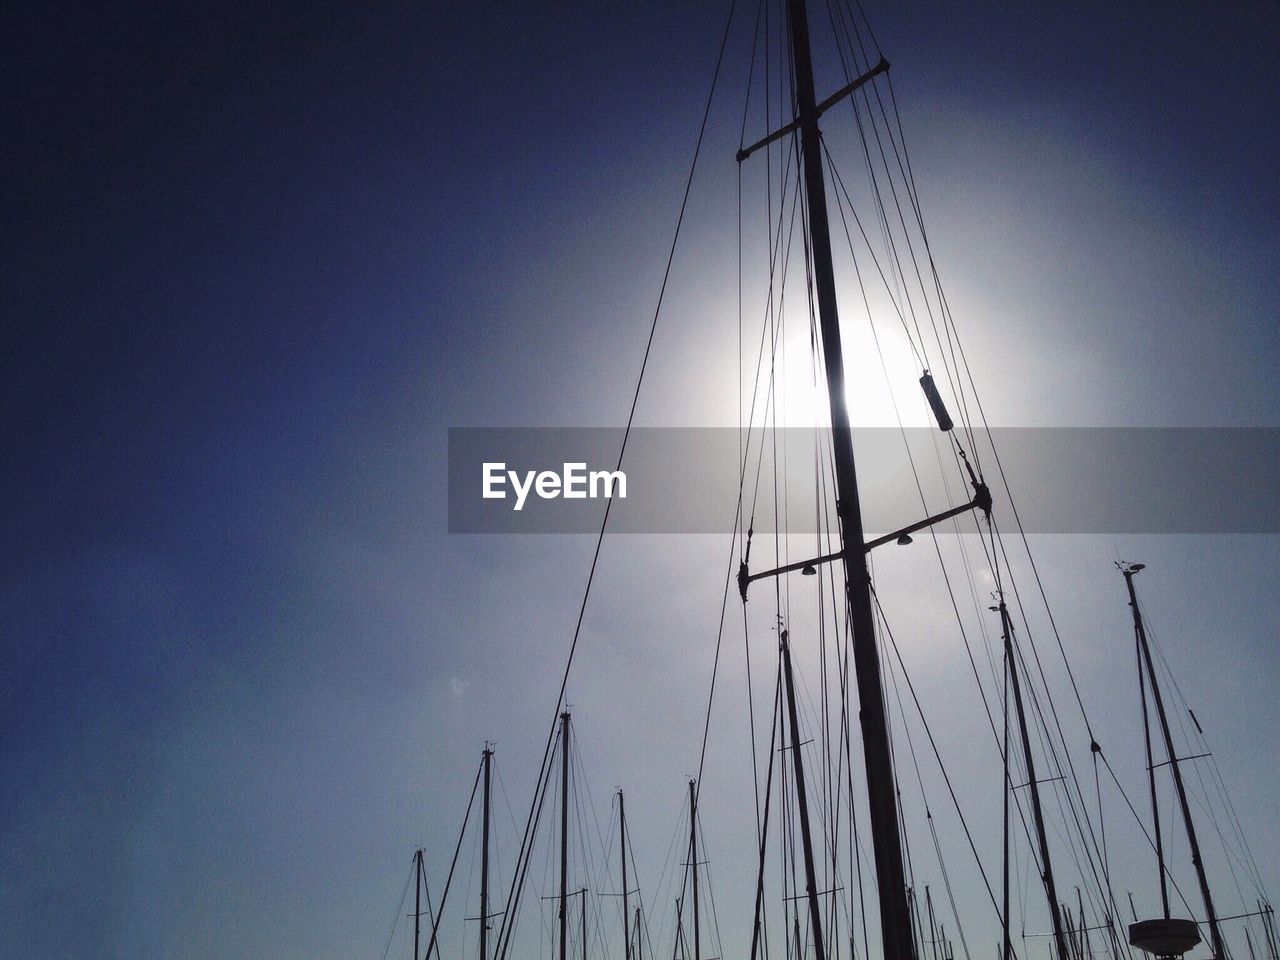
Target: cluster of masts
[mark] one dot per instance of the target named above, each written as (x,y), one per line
(688,942)
(1166,937)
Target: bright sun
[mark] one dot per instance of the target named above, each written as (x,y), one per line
(871,387)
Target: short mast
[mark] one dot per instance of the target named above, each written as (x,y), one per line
(895,920)
(1219,948)
(1042,839)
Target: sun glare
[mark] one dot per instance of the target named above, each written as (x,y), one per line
(876,377)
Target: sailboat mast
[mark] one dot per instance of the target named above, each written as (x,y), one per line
(693,862)
(1055,912)
(622,831)
(417,899)
(484,858)
(802,803)
(1006,945)
(1219,948)
(1151,782)
(890,877)
(564,835)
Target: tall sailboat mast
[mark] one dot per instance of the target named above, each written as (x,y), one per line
(484,857)
(564,835)
(1215,934)
(622,837)
(895,921)
(1037,812)
(693,863)
(802,803)
(1006,945)
(417,899)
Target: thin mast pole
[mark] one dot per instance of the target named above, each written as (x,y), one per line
(890,876)
(564,834)
(1151,779)
(1219,948)
(1269,925)
(913,905)
(933,929)
(1050,891)
(626,913)
(757,923)
(802,804)
(417,899)
(583,891)
(1085,949)
(1006,943)
(484,858)
(639,941)
(693,860)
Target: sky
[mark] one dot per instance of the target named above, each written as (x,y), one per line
(261,257)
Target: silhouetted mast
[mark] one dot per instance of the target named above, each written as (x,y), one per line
(417,899)
(1151,778)
(484,859)
(1219,948)
(622,832)
(890,876)
(802,804)
(693,862)
(886,837)
(1055,913)
(564,835)
(1006,944)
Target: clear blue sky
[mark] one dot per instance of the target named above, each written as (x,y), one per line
(259,257)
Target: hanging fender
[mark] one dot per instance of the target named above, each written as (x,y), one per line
(935,401)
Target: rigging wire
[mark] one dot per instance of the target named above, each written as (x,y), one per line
(435,926)
(513,901)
